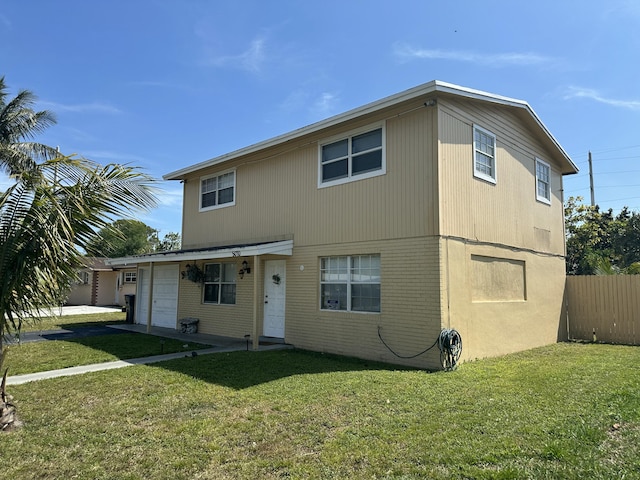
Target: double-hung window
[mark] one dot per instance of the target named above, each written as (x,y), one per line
(543,181)
(220,283)
(484,154)
(83,278)
(218,191)
(350,283)
(130,277)
(351,158)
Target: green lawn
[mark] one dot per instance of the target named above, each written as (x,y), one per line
(54,354)
(564,411)
(71,321)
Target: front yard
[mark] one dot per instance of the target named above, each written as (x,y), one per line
(563,411)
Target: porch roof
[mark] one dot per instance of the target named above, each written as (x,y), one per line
(225,251)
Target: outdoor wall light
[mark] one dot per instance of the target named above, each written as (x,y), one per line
(245,269)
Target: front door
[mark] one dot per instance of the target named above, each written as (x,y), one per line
(274,298)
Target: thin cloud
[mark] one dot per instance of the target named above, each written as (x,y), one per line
(326,104)
(407,53)
(94,107)
(591,94)
(300,100)
(251,59)
(171,194)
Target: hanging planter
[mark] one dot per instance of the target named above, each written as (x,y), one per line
(276,278)
(193,273)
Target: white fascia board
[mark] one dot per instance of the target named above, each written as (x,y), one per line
(415,92)
(274,248)
(510,102)
(314,127)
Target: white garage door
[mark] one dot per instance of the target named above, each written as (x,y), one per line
(164,303)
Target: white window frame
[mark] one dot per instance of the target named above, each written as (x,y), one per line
(347,278)
(84,278)
(547,182)
(129,277)
(349,136)
(218,205)
(476,171)
(220,282)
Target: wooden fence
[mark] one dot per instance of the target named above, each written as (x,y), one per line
(605,305)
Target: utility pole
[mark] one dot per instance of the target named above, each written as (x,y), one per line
(593,196)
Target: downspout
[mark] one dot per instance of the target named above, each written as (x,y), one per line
(257,296)
(565,297)
(150,297)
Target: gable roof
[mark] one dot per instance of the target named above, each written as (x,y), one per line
(435,86)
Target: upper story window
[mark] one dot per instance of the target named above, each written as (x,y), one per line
(484,154)
(218,191)
(543,181)
(130,277)
(360,155)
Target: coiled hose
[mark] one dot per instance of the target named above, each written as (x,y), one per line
(449,342)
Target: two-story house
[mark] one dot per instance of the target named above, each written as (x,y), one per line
(369,232)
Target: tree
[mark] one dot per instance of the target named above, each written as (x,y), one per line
(19,124)
(171,241)
(126,237)
(599,243)
(123,238)
(53,209)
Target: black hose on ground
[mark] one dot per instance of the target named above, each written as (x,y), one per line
(449,342)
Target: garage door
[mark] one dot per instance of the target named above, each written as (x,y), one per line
(164,303)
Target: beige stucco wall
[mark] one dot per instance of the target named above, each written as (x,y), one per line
(501,323)
(124,289)
(80,294)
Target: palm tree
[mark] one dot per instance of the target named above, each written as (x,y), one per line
(54,208)
(19,124)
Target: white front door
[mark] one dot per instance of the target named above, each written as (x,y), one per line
(275,276)
(164,301)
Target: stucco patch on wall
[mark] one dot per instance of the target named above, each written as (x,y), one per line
(496,279)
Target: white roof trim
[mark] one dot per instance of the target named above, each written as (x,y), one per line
(424,89)
(273,248)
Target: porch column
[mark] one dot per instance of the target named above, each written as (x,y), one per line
(257,298)
(150,298)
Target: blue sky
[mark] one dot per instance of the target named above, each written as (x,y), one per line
(165,84)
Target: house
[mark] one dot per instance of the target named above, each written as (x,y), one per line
(368,233)
(102,284)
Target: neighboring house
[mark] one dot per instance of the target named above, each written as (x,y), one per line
(439,207)
(101,284)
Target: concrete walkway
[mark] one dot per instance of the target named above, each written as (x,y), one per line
(218,345)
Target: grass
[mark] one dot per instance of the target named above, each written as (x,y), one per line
(563,411)
(55,354)
(74,321)
(52,355)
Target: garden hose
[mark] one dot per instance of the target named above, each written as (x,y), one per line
(450,343)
